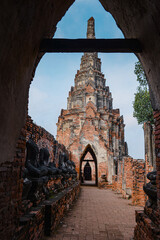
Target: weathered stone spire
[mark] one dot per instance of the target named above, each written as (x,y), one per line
(90,28)
(90,81)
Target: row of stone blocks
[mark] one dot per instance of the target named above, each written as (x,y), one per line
(43,220)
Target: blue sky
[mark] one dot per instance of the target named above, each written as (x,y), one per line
(55,74)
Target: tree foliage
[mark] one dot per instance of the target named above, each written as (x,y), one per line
(142,104)
(141,77)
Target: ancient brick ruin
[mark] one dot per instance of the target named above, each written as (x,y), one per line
(90,123)
(148,220)
(23,26)
(31,214)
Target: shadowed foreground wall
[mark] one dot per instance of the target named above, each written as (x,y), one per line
(22,27)
(11,184)
(148,220)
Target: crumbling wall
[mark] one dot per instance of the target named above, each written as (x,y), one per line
(44,139)
(23,25)
(11,185)
(44,219)
(132,174)
(139,179)
(149,141)
(130,180)
(148,220)
(157,150)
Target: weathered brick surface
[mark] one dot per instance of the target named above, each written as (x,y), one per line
(31,225)
(148,220)
(11,205)
(149,140)
(90,118)
(139,176)
(145,228)
(98,215)
(157,145)
(56,207)
(11,185)
(43,220)
(42,138)
(130,180)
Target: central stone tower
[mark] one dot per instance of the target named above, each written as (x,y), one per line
(90,127)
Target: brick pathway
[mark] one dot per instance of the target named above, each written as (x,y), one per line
(98,215)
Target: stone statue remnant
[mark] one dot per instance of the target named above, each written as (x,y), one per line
(39,172)
(151,189)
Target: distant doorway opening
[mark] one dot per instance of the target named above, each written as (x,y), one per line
(88,167)
(87,172)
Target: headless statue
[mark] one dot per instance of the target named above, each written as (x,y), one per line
(45,164)
(151,189)
(35,173)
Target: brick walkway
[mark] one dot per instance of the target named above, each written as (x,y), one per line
(98,215)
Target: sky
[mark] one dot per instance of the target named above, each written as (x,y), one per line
(56,71)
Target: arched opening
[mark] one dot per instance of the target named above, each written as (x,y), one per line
(87,171)
(47,96)
(18,63)
(88,167)
(19,71)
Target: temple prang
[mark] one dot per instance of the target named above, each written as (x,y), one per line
(90,118)
(91,28)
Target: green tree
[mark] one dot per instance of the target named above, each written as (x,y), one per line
(142,104)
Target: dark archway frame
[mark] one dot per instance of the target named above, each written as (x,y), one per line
(89,149)
(20,57)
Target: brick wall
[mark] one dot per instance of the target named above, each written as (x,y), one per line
(44,219)
(157,146)
(11,185)
(148,220)
(130,180)
(149,140)
(139,179)
(56,207)
(127,177)
(11,181)
(40,136)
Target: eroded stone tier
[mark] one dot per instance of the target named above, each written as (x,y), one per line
(90,77)
(90,118)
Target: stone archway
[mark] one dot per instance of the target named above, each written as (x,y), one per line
(25,24)
(29,23)
(36,21)
(89,149)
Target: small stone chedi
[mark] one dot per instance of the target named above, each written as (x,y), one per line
(90,124)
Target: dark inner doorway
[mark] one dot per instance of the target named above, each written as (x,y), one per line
(88,167)
(87,171)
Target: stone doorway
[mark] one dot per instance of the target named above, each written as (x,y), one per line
(88,167)
(87,172)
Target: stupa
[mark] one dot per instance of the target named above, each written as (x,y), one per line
(90,128)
